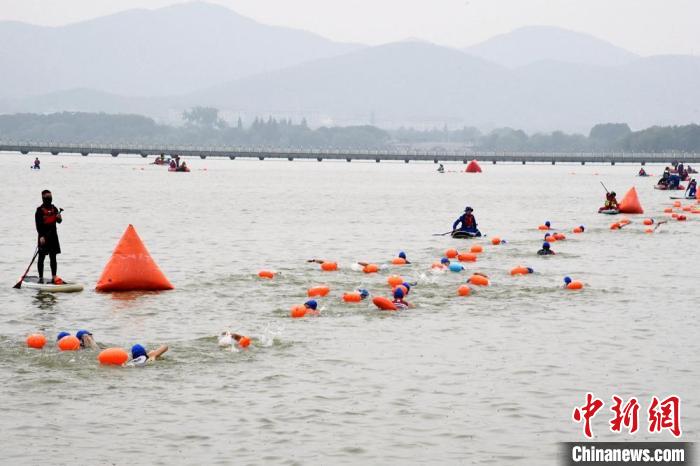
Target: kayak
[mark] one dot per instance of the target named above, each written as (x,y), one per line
(666,188)
(609,211)
(32,282)
(465,235)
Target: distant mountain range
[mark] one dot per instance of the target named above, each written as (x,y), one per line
(535,78)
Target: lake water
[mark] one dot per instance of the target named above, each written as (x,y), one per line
(492,378)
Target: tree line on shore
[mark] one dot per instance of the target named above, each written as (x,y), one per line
(203,126)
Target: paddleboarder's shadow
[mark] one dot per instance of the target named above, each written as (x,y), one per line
(45,301)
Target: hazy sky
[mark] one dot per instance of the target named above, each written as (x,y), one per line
(646,27)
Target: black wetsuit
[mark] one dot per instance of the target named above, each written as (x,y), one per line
(545,252)
(46,220)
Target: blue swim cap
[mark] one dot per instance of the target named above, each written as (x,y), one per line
(312,304)
(530,270)
(582,227)
(546,235)
(402,255)
(82,333)
(398,293)
(444,260)
(567,280)
(456,267)
(547,223)
(61,335)
(545,245)
(363,293)
(137,351)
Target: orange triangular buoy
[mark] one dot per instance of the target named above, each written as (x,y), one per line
(131,267)
(630,203)
(473,167)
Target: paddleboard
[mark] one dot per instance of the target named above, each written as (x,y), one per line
(687,198)
(32,282)
(609,212)
(664,188)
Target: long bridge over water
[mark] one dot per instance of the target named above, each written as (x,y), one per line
(349,155)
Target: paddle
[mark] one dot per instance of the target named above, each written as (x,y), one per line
(18,285)
(442,234)
(606,189)
(660,223)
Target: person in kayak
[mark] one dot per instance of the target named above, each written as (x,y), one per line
(610,202)
(642,172)
(468,223)
(140,356)
(546,250)
(692,189)
(37,164)
(665,178)
(172,164)
(46,218)
(86,340)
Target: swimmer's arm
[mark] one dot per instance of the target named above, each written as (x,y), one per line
(363,264)
(156,353)
(316,261)
(90,342)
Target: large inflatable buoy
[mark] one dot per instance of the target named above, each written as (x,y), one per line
(476,249)
(69,343)
(464,290)
(131,267)
(478,280)
(384,303)
(329,266)
(36,340)
(370,268)
(473,167)
(394,280)
(630,203)
(321,290)
(467,257)
(267,274)
(113,356)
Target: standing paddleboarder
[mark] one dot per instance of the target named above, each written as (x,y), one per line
(46,218)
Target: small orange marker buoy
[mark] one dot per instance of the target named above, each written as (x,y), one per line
(298,312)
(113,356)
(267,274)
(648,221)
(69,343)
(321,290)
(648,230)
(398,261)
(495,240)
(451,253)
(478,280)
(681,218)
(467,257)
(36,340)
(370,268)
(520,270)
(394,280)
(668,210)
(574,285)
(384,303)
(676,203)
(543,228)
(352,297)
(329,266)
(464,290)
(476,249)
(244,342)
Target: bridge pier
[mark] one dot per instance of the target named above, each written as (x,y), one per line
(406,161)
(54,153)
(435,160)
(261,158)
(144,155)
(643,163)
(583,162)
(24,152)
(523,162)
(612,162)
(84,154)
(554,162)
(348,160)
(115,154)
(464,161)
(320,159)
(202,157)
(494,162)
(291,159)
(232,157)
(376,160)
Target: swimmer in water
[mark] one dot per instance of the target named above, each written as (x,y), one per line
(61,335)
(140,356)
(86,339)
(399,300)
(402,255)
(229,339)
(546,250)
(364,294)
(312,307)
